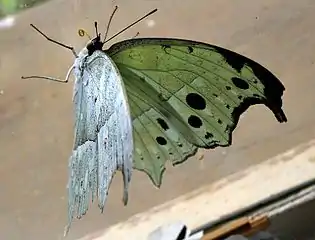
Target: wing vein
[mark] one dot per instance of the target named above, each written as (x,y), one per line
(147,129)
(144,100)
(184,70)
(158,127)
(219,132)
(217,65)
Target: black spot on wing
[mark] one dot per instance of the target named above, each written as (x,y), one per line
(208,135)
(240,83)
(162,124)
(190,49)
(161,140)
(194,121)
(195,101)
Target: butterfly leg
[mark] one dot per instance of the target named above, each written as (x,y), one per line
(52,78)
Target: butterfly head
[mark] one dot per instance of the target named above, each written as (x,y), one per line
(94,44)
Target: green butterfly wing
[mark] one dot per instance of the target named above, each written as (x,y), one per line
(184,95)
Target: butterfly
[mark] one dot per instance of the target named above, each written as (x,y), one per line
(145,101)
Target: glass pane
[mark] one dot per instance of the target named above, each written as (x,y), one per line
(36,116)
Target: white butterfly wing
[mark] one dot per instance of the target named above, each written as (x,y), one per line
(103,141)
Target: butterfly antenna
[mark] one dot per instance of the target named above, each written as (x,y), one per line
(96,28)
(109,22)
(54,41)
(129,26)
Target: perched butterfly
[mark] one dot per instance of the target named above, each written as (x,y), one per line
(144,101)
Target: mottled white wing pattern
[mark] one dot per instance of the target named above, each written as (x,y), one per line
(103,141)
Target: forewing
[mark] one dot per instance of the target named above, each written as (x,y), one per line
(186,94)
(103,141)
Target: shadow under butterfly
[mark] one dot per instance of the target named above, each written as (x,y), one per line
(144,101)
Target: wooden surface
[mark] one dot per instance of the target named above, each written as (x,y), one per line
(227,196)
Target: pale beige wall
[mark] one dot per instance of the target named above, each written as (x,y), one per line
(36,116)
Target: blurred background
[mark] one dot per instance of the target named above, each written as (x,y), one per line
(13,6)
(36,115)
